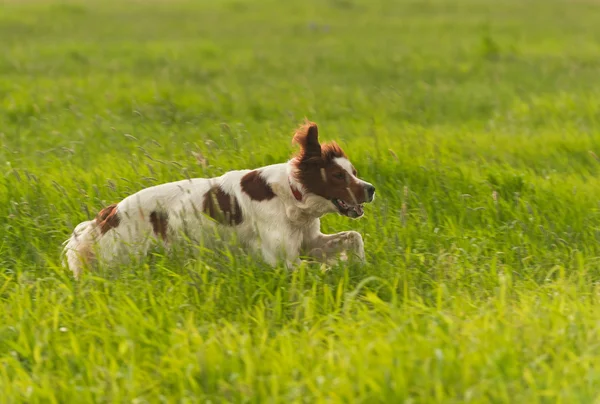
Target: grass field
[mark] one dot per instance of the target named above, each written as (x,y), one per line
(478,122)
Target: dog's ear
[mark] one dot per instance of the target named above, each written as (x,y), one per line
(307,136)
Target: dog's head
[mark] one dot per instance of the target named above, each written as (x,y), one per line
(325,171)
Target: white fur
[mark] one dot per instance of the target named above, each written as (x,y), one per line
(279,229)
(349,168)
(345,164)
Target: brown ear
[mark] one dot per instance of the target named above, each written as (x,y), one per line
(307,136)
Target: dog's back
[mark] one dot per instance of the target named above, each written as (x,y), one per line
(155,214)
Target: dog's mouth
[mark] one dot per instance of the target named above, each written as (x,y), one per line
(347,209)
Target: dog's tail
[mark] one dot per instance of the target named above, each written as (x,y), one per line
(78,251)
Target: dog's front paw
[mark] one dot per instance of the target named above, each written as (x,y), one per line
(356,244)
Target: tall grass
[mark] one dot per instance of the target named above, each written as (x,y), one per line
(476,120)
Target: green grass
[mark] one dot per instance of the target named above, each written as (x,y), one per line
(476,120)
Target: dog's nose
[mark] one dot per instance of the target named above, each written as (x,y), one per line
(370,191)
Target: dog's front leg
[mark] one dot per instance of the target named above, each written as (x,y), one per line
(327,247)
(279,246)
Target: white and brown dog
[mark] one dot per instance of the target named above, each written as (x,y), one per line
(274,210)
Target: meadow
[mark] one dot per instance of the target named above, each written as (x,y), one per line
(478,122)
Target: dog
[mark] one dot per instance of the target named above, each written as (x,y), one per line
(273,210)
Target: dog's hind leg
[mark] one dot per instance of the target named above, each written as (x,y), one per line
(78,251)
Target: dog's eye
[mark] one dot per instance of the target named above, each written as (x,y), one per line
(339,176)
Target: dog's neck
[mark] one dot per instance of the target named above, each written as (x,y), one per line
(301,205)
(296,188)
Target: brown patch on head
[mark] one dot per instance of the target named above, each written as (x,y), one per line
(108,218)
(318,172)
(160,222)
(222,207)
(256,187)
(307,136)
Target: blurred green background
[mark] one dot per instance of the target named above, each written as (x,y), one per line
(476,120)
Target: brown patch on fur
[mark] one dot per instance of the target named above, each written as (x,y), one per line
(331,150)
(222,207)
(317,171)
(256,187)
(159,221)
(307,136)
(108,218)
